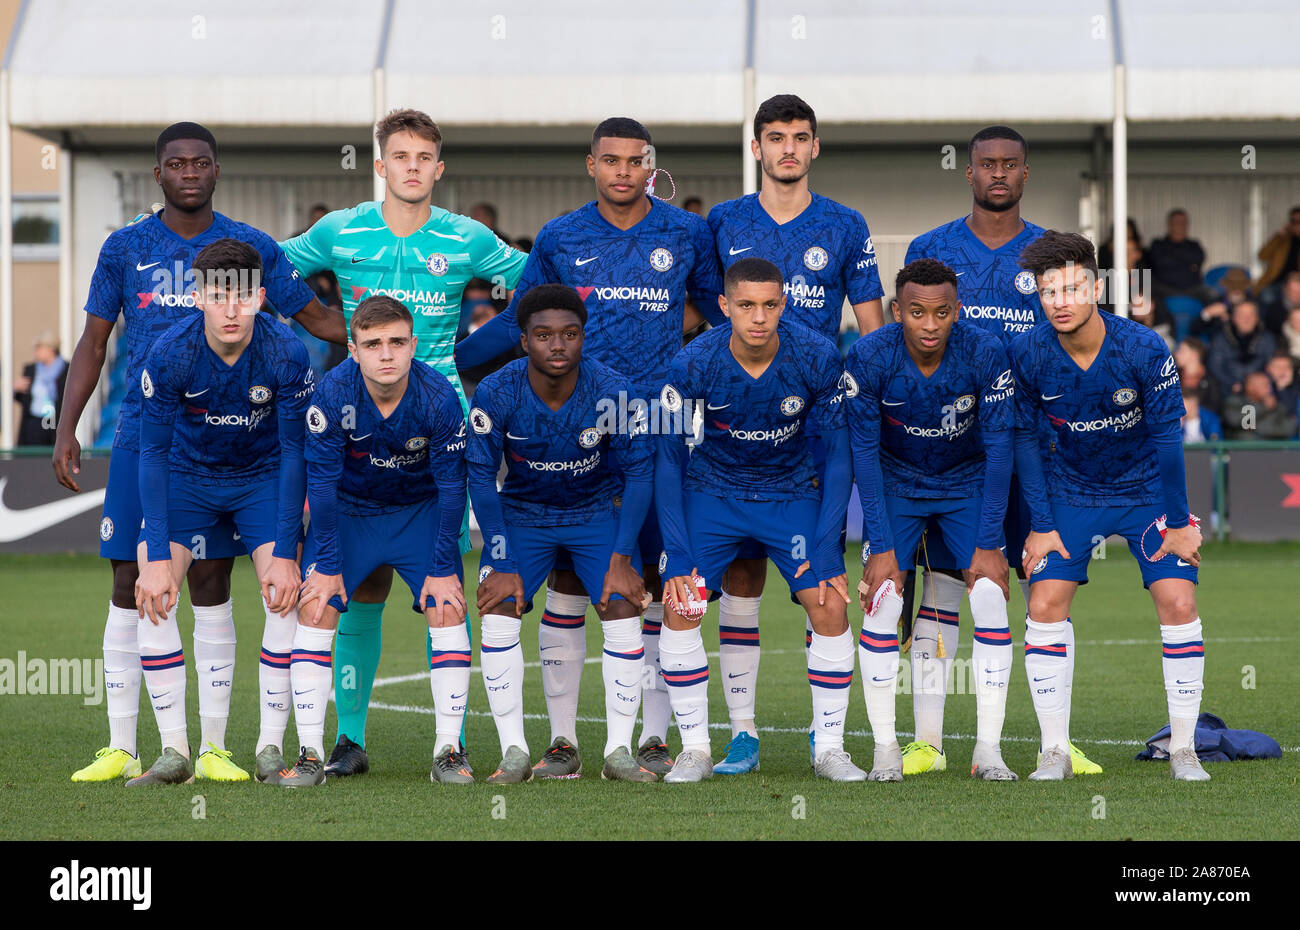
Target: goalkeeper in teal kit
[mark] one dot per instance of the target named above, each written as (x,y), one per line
(423,256)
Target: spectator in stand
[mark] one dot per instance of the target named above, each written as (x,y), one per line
(1241,346)
(1290,340)
(477,306)
(693,205)
(40,392)
(1176,260)
(1233,289)
(1152,314)
(486,214)
(1281,253)
(1137,260)
(1255,412)
(1190,357)
(1281,369)
(1199,424)
(524,244)
(321,354)
(1284,297)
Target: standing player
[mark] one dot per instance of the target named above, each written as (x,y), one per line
(386,486)
(1109,389)
(931,427)
(825,251)
(224,395)
(983,248)
(567,462)
(405,248)
(143,273)
(755,382)
(633,259)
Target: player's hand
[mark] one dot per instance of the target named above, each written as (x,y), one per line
(67,459)
(320,587)
(280,585)
(680,591)
(1184,543)
(443,593)
(621,578)
(840,584)
(496,587)
(990,564)
(880,567)
(156,590)
(1037,546)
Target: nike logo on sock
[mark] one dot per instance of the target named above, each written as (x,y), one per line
(886,678)
(285,691)
(218,668)
(494,677)
(1045,679)
(741,675)
(457,697)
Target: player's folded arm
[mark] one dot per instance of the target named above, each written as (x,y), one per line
(670,460)
(1168,440)
(447,448)
(324,454)
(998,459)
(863,414)
(705,281)
(634,451)
(292,399)
(491,518)
(1033,486)
(160,399)
(837,488)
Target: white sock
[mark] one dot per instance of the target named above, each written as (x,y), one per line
(1045,662)
(686,672)
(273,685)
(830,673)
(214,661)
(163,662)
(449,682)
(562,642)
(1184,669)
(940,602)
(878,656)
(991,657)
(1069,672)
(655,706)
(122,676)
(621,664)
(310,675)
(738,657)
(502,659)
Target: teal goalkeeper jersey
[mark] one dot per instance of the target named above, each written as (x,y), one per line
(427,270)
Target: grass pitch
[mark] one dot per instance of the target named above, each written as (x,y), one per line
(53,608)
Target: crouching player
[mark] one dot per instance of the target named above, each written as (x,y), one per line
(1109,389)
(222,437)
(931,431)
(567,461)
(386,487)
(755,382)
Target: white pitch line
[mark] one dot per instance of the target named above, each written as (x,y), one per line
(967,737)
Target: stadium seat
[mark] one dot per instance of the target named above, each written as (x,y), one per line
(1215,274)
(1184,310)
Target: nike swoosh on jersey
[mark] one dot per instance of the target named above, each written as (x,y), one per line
(959,274)
(579,262)
(19,524)
(359,438)
(1053,397)
(197,393)
(738,251)
(357,261)
(516,438)
(893,403)
(717,406)
(143,267)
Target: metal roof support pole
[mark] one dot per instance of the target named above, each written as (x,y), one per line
(7,436)
(1119,178)
(748,167)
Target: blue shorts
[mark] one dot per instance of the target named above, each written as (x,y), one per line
(752,548)
(1084,528)
(650,542)
(402,539)
(1015,528)
(957,519)
(199,515)
(123,518)
(718,528)
(586,547)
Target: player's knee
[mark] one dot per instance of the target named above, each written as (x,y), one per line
(375,588)
(209,581)
(988,607)
(829,619)
(125,575)
(565,582)
(1177,608)
(1044,608)
(618,609)
(745,577)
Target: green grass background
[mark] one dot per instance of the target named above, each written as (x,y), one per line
(54,607)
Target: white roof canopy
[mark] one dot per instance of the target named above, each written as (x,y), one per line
(270,63)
